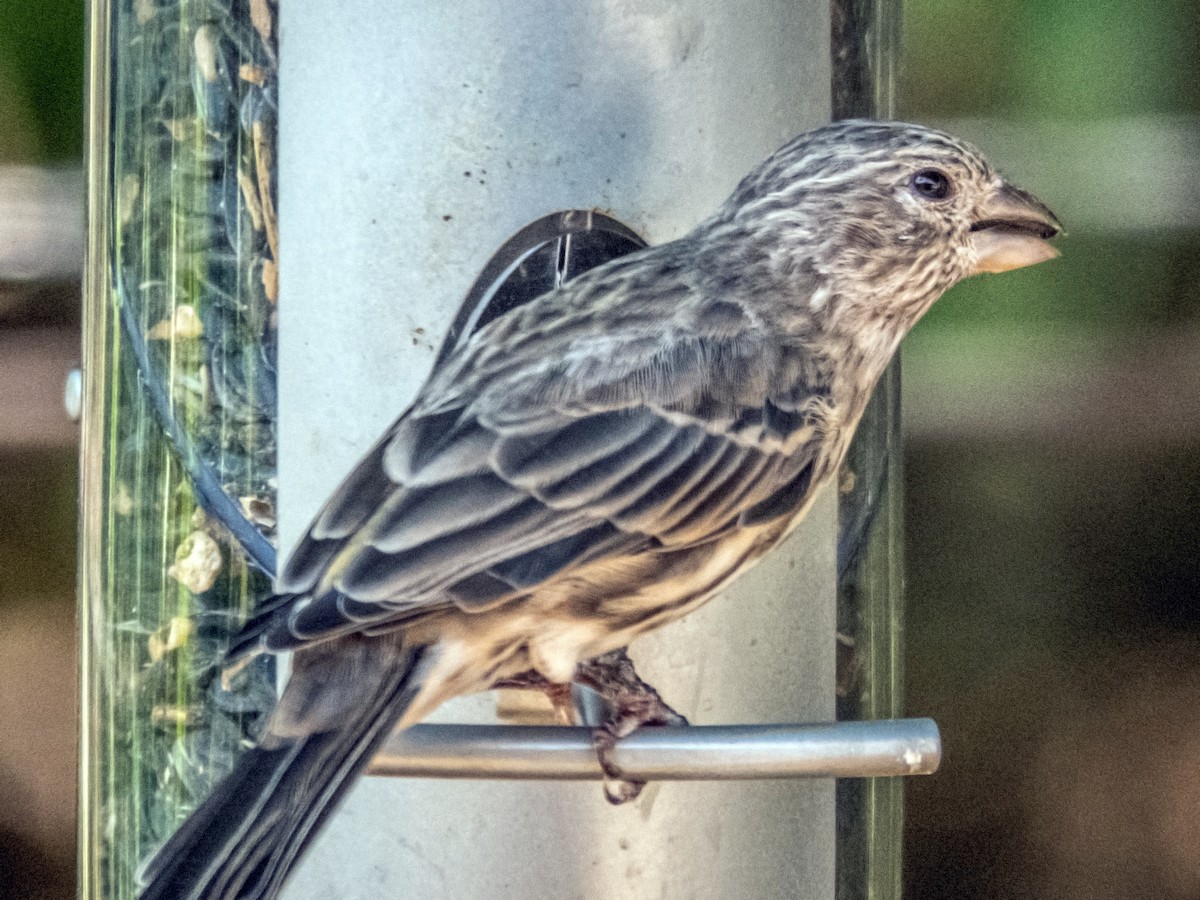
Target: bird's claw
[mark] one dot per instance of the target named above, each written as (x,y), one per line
(617,789)
(630,704)
(634,712)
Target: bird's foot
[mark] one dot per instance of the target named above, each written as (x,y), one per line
(630,703)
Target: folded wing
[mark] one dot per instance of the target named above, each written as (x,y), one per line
(476,501)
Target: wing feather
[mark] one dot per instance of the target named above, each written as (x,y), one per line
(418,515)
(470,501)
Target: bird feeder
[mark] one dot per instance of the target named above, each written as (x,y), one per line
(284,238)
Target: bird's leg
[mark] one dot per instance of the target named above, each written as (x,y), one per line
(557,693)
(630,703)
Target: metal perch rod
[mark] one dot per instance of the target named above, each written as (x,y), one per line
(715,752)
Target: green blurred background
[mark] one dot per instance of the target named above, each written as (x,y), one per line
(41,124)
(1052,473)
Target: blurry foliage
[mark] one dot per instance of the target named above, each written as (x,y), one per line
(1055,59)
(1105,281)
(37,516)
(41,81)
(1038,568)
(1042,580)
(1033,61)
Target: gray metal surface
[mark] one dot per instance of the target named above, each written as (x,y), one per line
(414,140)
(714,752)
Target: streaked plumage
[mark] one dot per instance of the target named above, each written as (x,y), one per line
(599,462)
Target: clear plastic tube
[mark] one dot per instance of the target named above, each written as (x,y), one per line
(179,448)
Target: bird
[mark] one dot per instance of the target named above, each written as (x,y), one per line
(595,464)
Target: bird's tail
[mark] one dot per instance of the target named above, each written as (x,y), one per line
(247,836)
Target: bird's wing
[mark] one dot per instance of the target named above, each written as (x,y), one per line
(481,492)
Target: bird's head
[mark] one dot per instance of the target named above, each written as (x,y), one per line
(889,215)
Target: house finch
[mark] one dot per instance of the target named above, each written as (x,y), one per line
(596,463)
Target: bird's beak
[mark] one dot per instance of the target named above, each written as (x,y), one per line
(1011,229)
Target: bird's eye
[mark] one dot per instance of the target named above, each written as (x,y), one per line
(931,184)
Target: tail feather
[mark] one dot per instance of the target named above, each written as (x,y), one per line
(252,636)
(242,842)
